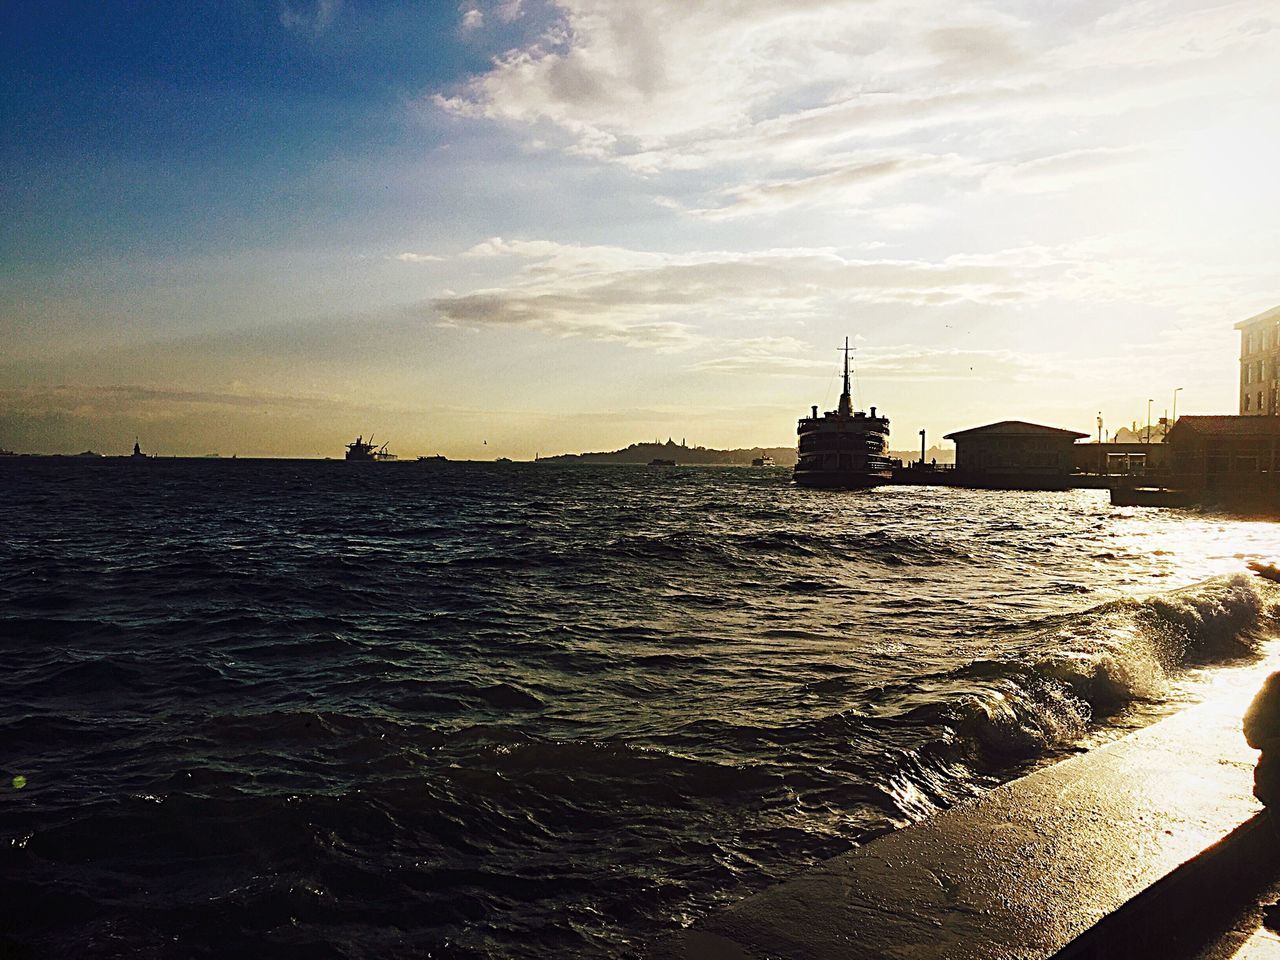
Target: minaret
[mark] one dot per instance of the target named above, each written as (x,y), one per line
(845,409)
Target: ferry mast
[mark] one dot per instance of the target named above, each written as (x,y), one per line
(845,407)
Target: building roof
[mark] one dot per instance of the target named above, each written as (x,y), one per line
(1015,428)
(1272,314)
(1227,426)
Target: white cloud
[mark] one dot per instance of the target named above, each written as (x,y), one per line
(1061,171)
(509,11)
(787,356)
(309,18)
(918,364)
(710,300)
(853,182)
(765,356)
(763,96)
(473,19)
(409,257)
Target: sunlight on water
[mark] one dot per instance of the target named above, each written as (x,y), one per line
(534,710)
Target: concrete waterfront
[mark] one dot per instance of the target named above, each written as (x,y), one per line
(1142,847)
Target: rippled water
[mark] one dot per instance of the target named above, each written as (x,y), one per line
(392,710)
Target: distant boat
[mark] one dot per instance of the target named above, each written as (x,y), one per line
(438,458)
(362,449)
(659,462)
(137,451)
(841,448)
(765,461)
(503,460)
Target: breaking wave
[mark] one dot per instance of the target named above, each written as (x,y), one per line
(1072,672)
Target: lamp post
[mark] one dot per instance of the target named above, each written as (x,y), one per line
(1102,453)
(1149,402)
(921,449)
(1176,391)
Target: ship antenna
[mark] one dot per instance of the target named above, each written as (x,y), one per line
(846,364)
(846,402)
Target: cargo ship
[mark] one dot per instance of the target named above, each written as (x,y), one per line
(841,448)
(362,449)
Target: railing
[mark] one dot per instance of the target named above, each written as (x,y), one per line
(927,467)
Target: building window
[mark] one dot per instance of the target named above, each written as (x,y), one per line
(1246,403)
(1259,401)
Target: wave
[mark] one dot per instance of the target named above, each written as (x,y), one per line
(990,714)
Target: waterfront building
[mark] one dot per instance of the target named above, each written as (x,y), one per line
(1260,364)
(1225,453)
(1013,454)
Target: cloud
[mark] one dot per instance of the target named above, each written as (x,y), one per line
(671,301)
(1060,171)
(418,258)
(851,183)
(509,11)
(150,401)
(765,356)
(920,364)
(703,300)
(473,19)
(760,96)
(312,19)
(787,356)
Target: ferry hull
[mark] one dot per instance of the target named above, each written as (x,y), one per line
(840,479)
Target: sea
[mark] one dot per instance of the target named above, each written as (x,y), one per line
(462,710)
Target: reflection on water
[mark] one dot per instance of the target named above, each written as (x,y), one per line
(531,710)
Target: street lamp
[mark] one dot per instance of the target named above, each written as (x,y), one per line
(1149,403)
(1102,453)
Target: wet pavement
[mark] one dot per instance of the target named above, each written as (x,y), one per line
(1043,866)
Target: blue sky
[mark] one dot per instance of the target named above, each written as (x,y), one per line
(571,224)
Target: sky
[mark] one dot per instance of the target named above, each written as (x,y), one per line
(508,227)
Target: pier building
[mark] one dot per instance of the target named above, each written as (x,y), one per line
(1260,364)
(1013,454)
(1227,454)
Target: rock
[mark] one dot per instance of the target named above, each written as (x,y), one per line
(1266,776)
(1262,732)
(1262,719)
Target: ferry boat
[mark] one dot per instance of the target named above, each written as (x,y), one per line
(765,461)
(842,448)
(362,449)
